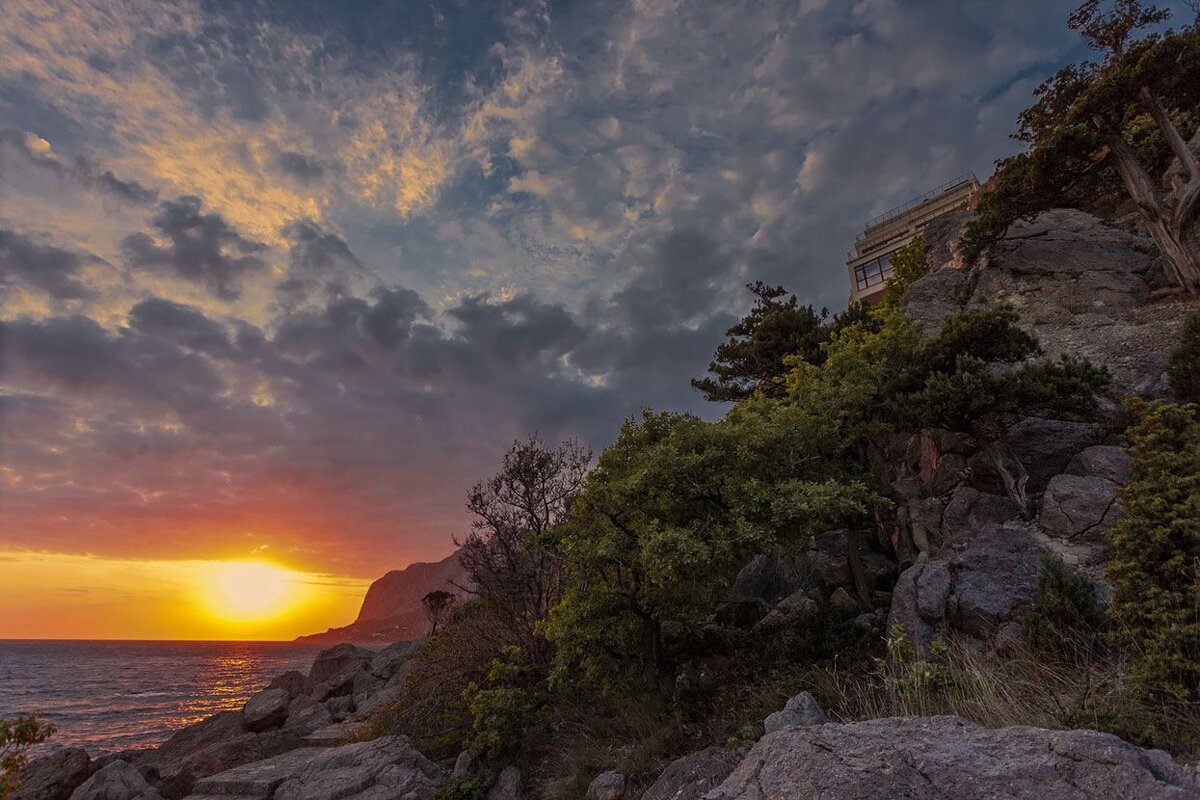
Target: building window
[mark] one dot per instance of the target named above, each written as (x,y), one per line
(874,272)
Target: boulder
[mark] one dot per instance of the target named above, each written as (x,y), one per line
(919,602)
(257,778)
(1046,446)
(294,682)
(766,578)
(337,733)
(507,785)
(1079,508)
(381,768)
(266,709)
(463,764)
(1105,461)
(796,606)
(828,560)
(690,777)
(54,776)
(936,296)
(333,662)
(117,780)
(799,711)
(607,786)
(994,581)
(303,720)
(392,659)
(923,518)
(971,511)
(949,757)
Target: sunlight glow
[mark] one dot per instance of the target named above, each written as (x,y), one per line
(253,590)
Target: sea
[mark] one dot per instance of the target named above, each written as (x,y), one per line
(108,696)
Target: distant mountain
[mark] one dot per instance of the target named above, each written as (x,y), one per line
(391,611)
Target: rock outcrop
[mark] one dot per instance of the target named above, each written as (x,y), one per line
(391,610)
(54,776)
(691,777)
(116,781)
(949,757)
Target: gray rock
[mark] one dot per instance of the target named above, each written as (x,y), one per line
(266,709)
(1046,446)
(1102,461)
(336,734)
(392,659)
(994,580)
(1079,508)
(340,707)
(828,560)
(463,764)
(54,776)
(931,758)
(925,523)
(933,589)
(387,767)
(607,786)
(688,778)
(507,785)
(304,719)
(768,577)
(294,682)
(116,781)
(799,711)
(843,602)
(794,607)
(905,613)
(333,661)
(971,511)
(936,296)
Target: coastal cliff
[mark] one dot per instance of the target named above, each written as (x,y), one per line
(391,610)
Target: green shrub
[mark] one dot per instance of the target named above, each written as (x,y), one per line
(505,709)
(474,787)
(1068,617)
(1155,562)
(1183,372)
(908,265)
(16,737)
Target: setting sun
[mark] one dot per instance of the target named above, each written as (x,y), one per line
(248,590)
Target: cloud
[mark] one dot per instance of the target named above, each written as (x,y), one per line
(42,266)
(200,247)
(37,151)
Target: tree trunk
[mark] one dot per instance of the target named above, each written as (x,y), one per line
(1170,216)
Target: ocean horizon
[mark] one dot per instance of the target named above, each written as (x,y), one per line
(108,695)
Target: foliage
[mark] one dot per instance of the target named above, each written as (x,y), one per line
(1183,372)
(437,606)
(470,787)
(16,737)
(1155,561)
(505,707)
(752,359)
(508,561)
(1100,131)
(908,265)
(672,510)
(1068,617)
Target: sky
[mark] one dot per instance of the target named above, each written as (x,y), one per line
(279,281)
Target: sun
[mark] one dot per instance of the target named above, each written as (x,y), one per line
(251,590)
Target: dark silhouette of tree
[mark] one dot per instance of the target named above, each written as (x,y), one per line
(437,606)
(752,359)
(511,563)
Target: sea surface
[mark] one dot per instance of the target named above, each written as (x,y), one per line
(110,696)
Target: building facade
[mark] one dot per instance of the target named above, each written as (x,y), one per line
(870,262)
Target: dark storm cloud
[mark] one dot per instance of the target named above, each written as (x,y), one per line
(518,330)
(203,248)
(42,266)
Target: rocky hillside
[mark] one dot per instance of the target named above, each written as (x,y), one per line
(297,740)
(962,563)
(391,611)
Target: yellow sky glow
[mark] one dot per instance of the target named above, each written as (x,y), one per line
(66,596)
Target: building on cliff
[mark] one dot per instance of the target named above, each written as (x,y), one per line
(870,262)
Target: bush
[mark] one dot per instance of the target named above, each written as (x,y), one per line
(909,264)
(1183,372)
(16,737)
(1068,618)
(1156,552)
(474,787)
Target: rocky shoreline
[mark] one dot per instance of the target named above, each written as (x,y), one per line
(305,737)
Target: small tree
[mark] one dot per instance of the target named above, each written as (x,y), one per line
(510,563)
(1119,125)
(1155,563)
(908,265)
(16,737)
(752,359)
(437,606)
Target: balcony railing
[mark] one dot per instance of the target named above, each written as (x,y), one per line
(916,201)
